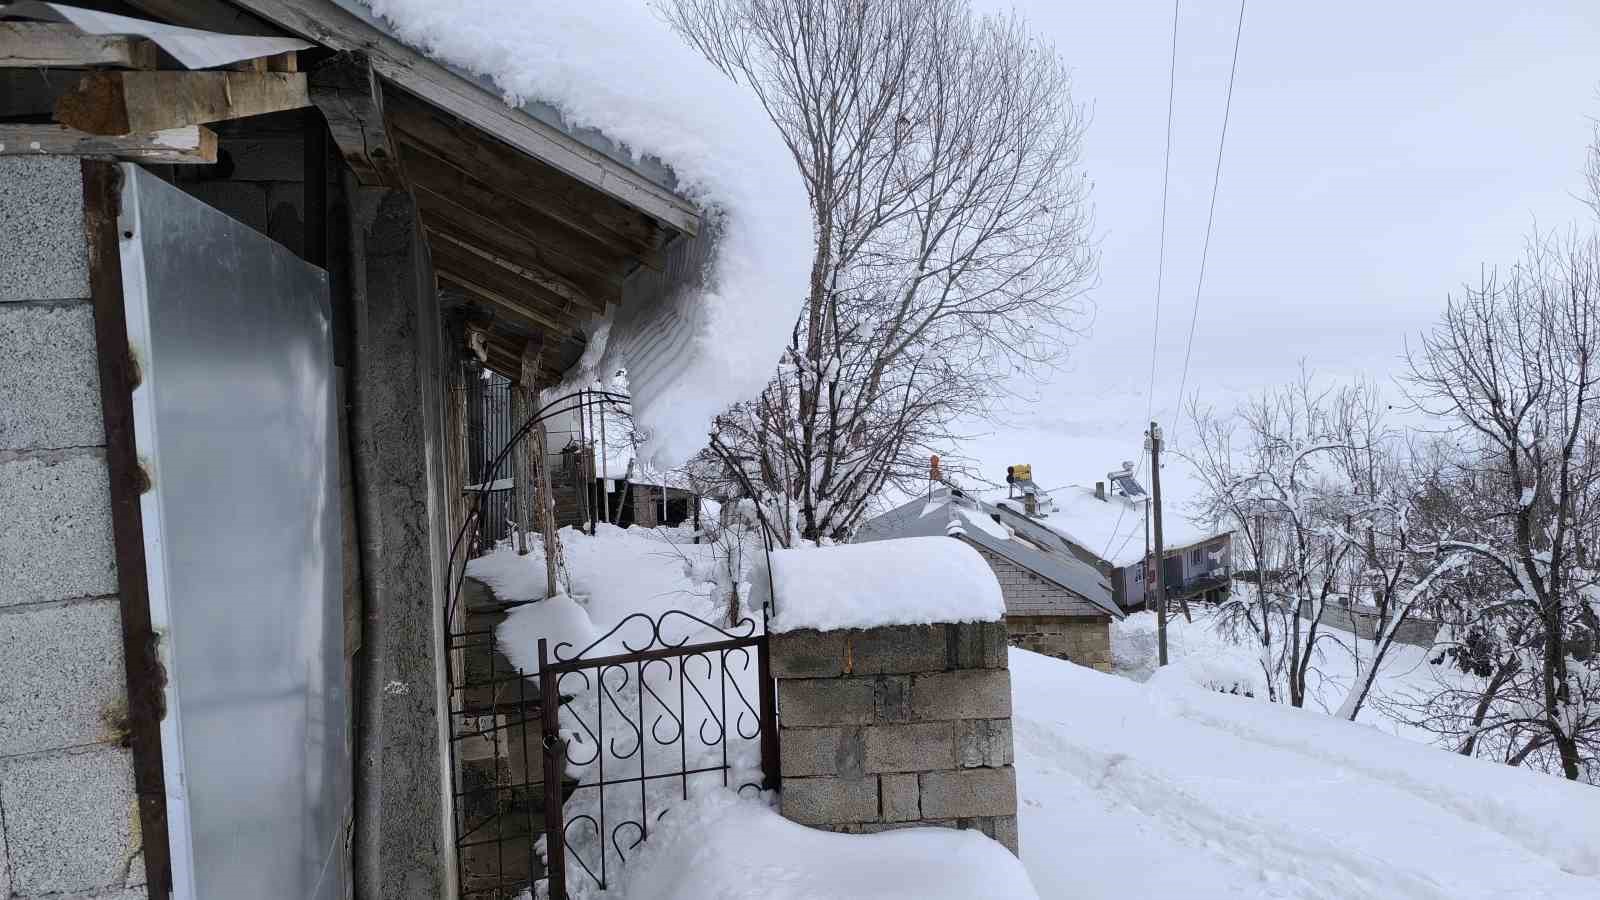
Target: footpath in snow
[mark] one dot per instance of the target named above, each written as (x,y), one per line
(1171,790)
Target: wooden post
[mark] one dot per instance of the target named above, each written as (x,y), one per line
(519,467)
(1154,443)
(547,512)
(554,764)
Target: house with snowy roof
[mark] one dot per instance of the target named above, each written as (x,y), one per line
(252,254)
(1107,529)
(1055,603)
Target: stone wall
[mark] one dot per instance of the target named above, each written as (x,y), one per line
(896,727)
(1085,641)
(68,820)
(1364,624)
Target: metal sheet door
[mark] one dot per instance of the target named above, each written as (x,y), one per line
(236,425)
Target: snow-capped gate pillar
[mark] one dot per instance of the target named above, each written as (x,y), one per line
(893,724)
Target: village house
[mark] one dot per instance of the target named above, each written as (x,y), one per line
(1107,529)
(1056,603)
(252,254)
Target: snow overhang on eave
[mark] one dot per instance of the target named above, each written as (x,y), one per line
(534,128)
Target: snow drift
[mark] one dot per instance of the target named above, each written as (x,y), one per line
(612,66)
(909,581)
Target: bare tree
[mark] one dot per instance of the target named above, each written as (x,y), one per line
(1515,365)
(940,151)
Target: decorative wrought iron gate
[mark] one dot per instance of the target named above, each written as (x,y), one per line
(702,722)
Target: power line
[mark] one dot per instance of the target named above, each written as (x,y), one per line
(1211,215)
(1161,258)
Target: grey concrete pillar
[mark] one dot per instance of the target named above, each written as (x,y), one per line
(402,849)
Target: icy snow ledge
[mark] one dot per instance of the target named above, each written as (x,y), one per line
(707,332)
(910,581)
(720,845)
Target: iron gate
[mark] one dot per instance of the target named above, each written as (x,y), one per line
(694,699)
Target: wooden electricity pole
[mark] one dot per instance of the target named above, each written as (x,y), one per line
(1153,441)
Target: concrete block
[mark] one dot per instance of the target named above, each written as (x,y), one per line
(807,653)
(979,645)
(1005,831)
(911,748)
(68,819)
(892,698)
(43,250)
(814,751)
(896,649)
(900,798)
(965,793)
(881,827)
(962,694)
(61,676)
(830,801)
(983,742)
(826,701)
(56,542)
(49,379)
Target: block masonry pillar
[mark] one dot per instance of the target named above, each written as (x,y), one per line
(69,813)
(896,727)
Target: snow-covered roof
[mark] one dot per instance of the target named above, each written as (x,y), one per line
(944,512)
(707,330)
(914,581)
(1111,529)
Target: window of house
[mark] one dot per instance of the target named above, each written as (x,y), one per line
(1197,556)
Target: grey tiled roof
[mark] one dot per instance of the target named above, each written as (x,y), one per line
(1085,590)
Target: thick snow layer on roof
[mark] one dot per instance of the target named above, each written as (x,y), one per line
(612,66)
(1113,528)
(910,581)
(1246,798)
(724,846)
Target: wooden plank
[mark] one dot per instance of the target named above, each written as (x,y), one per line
(527,180)
(345,89)
(190,144)
(555,291)
(35,44)
(495,283)
(560,249)
(503,239)
(125,102)
(485,109)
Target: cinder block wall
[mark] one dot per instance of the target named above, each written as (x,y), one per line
(1082,640)
(68,822)
(897,727)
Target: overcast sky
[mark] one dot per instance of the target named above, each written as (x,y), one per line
(1377,154)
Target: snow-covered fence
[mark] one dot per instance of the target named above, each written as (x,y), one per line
(894,696)
(1364,622)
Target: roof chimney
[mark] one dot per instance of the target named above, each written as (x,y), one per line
(1100,491)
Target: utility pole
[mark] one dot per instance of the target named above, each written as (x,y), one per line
(1153,441)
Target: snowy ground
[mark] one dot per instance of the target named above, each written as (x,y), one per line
(1169,789)
(1127,789)
(1201,655)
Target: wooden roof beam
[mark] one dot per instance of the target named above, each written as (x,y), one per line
(466,196)
(521,250)
(127,102)
(522,177)
(345,89)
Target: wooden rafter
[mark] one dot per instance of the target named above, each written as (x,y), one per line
(517,175)
(563,250)
(553,292)
(503,287)
(126,102)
